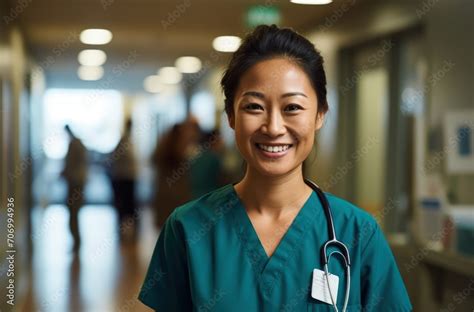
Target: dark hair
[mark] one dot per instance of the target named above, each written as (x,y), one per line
(68,129)
(267,42)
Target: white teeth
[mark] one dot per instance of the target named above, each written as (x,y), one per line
(273,149)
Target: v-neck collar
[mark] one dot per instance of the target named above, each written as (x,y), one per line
(268,269)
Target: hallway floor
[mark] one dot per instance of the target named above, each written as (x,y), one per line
(104,276)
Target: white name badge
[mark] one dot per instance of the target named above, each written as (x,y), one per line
(320,290)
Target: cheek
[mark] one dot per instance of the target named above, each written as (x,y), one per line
(245,127)
(305,146)
(304,129)
(306,142)
(243,132)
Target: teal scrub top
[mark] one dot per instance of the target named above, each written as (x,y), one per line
(205,173)
(209,258)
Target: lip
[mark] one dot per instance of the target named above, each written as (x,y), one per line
(273,155)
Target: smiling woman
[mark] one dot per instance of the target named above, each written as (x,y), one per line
(275,116)
(254,245)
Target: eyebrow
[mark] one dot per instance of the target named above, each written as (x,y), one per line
(262,96)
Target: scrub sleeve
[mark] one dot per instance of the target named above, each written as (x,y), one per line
(382,288)
(166,286)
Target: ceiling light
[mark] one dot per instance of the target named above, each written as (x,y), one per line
(96,36)
(170,75)
(90,73)
(92,57)
(226,43)
(153,84)
(188,64)
(313,2)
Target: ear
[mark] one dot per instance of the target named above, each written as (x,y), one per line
(231,119)
(319,120)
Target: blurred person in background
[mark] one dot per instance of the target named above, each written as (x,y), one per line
(75,174)
(191,137)
(171,161)
(123,172)
(206,170)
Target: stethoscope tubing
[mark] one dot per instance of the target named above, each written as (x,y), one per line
(342,251)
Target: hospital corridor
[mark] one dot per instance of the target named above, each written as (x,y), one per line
(115,113)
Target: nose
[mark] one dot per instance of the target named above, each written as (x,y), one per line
(274,124)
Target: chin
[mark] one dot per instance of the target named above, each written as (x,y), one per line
(274,170)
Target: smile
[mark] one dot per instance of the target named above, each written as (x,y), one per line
(274,148)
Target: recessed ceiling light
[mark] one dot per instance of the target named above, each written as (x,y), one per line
(226,43)
(170,75)
(153,84)
(96,36)
(92,57)
(312,2)
(188,64)
(90,73)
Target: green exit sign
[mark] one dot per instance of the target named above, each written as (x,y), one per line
(262,14)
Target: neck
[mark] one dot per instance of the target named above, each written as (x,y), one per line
(273,195)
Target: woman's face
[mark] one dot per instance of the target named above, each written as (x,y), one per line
(275,117)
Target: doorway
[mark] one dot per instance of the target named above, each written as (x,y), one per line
(381,92)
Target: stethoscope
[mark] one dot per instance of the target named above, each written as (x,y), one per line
(342,251)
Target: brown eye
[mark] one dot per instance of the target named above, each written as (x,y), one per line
(292,108)
(253,107)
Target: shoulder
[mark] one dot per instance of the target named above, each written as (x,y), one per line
(348,213)
(206,207)
(347,208)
